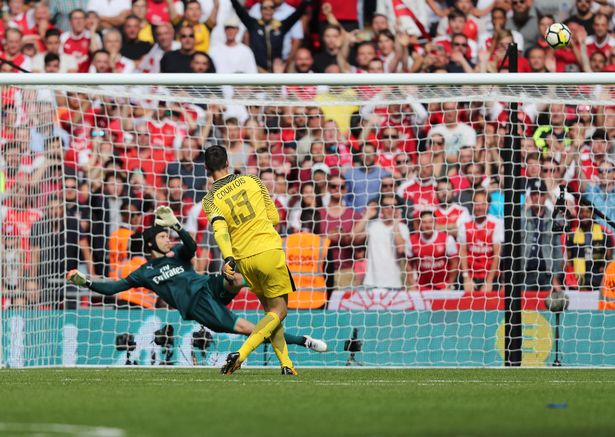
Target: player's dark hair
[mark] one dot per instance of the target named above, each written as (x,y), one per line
(216,158)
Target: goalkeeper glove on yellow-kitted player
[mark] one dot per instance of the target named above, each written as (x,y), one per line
(166,218)
(229,268)
(78,278)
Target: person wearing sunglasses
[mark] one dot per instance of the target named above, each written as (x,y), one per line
(178,61)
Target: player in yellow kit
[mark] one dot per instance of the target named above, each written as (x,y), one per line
(243,217)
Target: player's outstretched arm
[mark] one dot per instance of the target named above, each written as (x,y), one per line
(165,217)
(108,288)
(222,237)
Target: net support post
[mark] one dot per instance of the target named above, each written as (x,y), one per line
(512,257)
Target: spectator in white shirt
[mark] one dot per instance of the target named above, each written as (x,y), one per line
(233,56)
(386,238)
(112,13)
(456,134)
(225,12)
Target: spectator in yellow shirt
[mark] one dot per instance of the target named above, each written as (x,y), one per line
(192,17)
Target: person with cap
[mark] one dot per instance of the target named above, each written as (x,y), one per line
(543,254)
(232,56)
(169,273)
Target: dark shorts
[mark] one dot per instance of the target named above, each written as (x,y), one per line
(210,310)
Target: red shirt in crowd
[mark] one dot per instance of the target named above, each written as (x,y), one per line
(451,215)
(344,10)
(153,166)
(431,257)
(165,133)
(422,194)
(79,47)
(158,12)
(605,47)
(480,239)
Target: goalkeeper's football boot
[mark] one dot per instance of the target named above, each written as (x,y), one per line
(289,371)
(315,344)
(232,363)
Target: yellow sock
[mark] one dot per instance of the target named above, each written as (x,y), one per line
(263,330)
(280,348)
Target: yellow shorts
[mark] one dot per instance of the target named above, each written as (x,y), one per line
(267,274)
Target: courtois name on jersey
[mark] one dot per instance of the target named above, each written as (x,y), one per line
(166,272)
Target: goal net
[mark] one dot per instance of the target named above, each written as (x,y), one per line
(403,204)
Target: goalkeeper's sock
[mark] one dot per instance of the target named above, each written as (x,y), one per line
(262,331)
(299,340)
(280,348)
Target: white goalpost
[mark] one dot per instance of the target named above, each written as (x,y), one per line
(394,195)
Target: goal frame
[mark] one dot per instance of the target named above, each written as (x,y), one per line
(293,79)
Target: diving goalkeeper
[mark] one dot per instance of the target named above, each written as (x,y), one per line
(169,273)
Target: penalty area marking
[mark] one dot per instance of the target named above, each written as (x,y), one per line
(44,429)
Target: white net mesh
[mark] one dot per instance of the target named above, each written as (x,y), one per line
(392,211)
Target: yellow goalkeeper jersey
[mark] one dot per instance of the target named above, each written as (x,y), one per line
(245,205)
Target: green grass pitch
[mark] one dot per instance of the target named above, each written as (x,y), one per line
(319,403)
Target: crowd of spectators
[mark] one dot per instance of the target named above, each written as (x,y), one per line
(407,195)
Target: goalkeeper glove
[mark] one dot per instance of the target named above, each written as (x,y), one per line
(229,268)
(78,278)
(165,217)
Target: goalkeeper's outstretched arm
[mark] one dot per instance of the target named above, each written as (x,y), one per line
(108,288)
